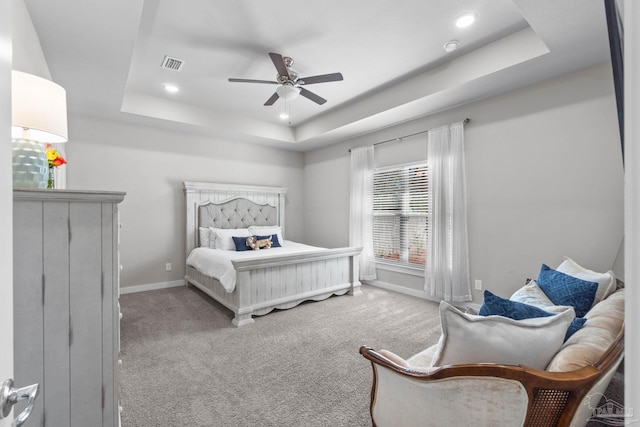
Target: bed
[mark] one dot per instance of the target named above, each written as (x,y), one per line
(265,279)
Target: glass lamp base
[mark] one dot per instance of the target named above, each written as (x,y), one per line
(30,164)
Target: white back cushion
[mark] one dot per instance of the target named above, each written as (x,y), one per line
(468,338)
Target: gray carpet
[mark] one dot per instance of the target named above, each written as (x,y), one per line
(184,364)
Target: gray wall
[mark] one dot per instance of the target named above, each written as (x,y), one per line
(150,165)
(544,176)
(27,52)
(543,169)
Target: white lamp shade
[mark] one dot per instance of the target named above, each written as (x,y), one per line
(38,105)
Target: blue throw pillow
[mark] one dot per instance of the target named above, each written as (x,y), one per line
(275,243)
(563,289)
(575,326)
(241,243)
(495,305)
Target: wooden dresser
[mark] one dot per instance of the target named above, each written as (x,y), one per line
(66,311)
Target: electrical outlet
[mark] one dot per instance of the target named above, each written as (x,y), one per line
(167,267)
(478,285)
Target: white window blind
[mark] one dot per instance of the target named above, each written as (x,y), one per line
(400,214)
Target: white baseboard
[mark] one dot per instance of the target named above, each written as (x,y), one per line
(416,293)
(151,287)
(400,289)
(377,283)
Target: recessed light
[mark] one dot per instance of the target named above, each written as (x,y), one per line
(451,45)
(465,20)
(171,88)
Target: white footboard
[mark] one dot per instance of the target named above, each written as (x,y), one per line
(284,281)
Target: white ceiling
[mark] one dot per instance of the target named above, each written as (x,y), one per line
(107,54)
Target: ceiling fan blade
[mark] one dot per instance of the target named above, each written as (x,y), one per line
(312,96)
(333,77)
(279,64)
(272,100)
(253,81)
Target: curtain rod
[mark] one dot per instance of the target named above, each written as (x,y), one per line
(465,121)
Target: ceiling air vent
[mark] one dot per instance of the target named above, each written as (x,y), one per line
(172,63)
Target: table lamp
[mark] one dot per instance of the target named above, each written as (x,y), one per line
(38,115)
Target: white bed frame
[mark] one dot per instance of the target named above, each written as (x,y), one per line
(281,281)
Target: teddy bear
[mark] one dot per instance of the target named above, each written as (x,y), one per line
(256,244)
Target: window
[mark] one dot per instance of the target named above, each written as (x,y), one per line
(400,215)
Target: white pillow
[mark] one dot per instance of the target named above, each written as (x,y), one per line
(205,237)
(224,237)
(467,338)
(606,281)
(266,230)
(532,294)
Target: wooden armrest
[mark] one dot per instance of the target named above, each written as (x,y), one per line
(524,374)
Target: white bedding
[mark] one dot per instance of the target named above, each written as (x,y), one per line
(216,263)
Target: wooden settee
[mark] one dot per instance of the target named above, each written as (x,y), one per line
(567,393)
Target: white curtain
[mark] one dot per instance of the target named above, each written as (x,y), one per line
(447,263)
(361,209)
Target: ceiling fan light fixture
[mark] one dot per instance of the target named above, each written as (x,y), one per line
(466,20)
(288,92)
(284,115)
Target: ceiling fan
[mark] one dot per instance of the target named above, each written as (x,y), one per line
(290,84)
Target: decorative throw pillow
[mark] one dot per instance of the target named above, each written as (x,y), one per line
(495,305)
(532,294)
(224,237)
(576,324)
(563,289)
(275,243)
(467,338)
(240,243)
(205,237)
(266,230)
(606,281)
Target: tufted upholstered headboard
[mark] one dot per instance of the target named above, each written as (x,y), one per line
(236,213)
(231,206)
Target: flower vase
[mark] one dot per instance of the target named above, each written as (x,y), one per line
(51,183)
